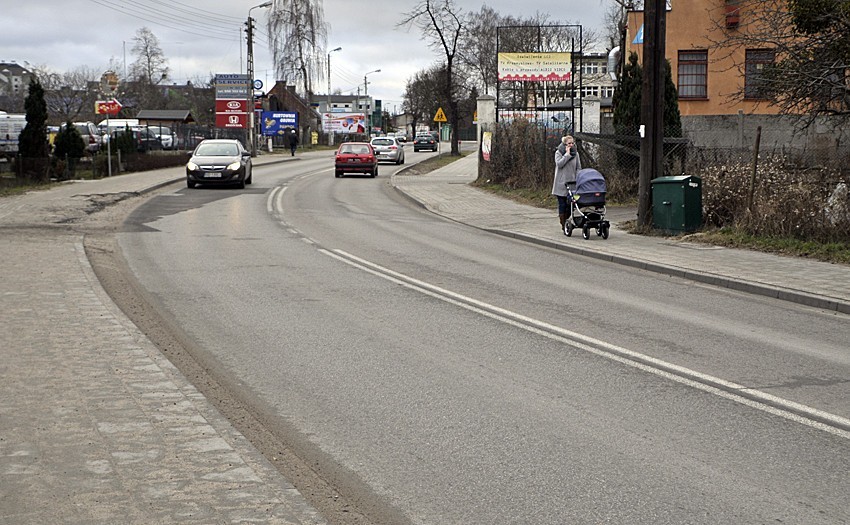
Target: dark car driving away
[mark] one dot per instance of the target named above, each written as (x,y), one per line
(219,161)
(355,157)
(424,141)
(144,139)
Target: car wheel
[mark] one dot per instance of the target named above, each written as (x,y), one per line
(337,174)
(250,179)
(241,184)
(375,172)
(190,184)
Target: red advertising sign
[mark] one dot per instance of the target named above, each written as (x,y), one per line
(230,105)
(231,120)
(107,107)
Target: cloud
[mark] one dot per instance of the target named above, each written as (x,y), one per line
(204,37)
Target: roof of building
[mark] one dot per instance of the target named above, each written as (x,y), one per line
(166,115)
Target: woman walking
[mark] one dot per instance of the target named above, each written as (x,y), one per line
(567,164)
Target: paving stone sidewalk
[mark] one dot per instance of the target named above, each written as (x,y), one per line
(96,425)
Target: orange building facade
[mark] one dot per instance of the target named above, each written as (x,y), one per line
(707,78)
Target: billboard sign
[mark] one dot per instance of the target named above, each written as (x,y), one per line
(344,122)
(535,67)
(277,122)
(231,104)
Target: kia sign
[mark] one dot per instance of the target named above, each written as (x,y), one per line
(107,107)
(230,106)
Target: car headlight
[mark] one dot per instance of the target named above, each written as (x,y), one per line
(191,166)
(234,166)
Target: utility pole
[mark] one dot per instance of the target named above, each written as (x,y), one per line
(369,106)
(249,29)
(652,105)
(249,101)
(328,109)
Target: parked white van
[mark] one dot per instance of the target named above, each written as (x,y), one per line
(117,123)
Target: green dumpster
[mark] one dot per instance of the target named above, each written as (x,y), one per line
(677,203)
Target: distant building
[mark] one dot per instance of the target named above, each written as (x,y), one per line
(343,104)
(14,83)
(14,79)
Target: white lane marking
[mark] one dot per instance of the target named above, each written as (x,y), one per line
(757,399)
(274,202)
(270,200)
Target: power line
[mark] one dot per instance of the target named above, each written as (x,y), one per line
(130,11)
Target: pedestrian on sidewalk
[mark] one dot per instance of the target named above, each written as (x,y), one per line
(567,164)
(293,141)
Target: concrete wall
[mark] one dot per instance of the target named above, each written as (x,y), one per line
(824,139)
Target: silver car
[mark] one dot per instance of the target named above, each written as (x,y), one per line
(388,149)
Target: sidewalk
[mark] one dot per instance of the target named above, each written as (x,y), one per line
(97,426)
(813,283)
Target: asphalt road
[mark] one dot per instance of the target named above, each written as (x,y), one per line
(434,373)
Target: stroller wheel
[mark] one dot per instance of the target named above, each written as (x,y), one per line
(568,230)
(585,232)
(605,232)
(598,232)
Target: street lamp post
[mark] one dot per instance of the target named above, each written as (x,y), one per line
(249,109)
(328,109)
(366,94)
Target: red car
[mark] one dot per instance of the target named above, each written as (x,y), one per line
(356,157)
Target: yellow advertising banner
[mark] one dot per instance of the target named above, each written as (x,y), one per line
(535,67)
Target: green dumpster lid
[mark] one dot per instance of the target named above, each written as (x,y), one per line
(677,178)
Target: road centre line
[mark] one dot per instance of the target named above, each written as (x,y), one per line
(740,394)
(274,200)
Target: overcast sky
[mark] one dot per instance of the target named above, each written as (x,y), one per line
(200,37)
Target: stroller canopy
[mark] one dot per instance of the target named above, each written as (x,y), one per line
(588,180)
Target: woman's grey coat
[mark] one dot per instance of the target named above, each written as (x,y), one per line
(567,165)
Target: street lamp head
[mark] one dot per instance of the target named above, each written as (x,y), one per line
(264,4)
(337,49)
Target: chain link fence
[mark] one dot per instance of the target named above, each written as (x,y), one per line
(782,188)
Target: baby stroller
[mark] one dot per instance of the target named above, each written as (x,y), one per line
(587,204)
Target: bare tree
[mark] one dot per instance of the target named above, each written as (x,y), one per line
(443,25)
(479,48)
(150,66)
(422,95)
(70,95)
(297,40)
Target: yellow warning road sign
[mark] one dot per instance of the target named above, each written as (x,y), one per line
(440,116)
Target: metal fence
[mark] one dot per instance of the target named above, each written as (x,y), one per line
(782,189)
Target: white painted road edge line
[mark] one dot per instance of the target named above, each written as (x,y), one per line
(757,399)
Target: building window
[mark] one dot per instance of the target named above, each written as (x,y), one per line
(756,61)
(693,74)
(607,91)
(590,91)
(594,67)
(589,68)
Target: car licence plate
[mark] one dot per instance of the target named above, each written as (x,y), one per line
(212,175)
